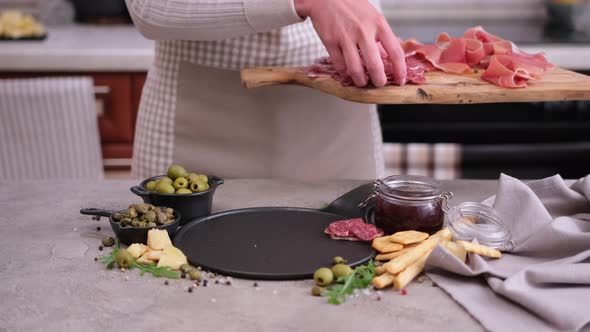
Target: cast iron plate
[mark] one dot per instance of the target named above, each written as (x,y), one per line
(273,243)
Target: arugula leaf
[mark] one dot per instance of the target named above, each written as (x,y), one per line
(360,278)
(152,268)
(162,271)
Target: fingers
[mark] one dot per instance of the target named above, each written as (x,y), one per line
(396,54)
(373,61)
(337,58)
(354,65)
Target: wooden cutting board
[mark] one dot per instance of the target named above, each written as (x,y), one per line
(440,88)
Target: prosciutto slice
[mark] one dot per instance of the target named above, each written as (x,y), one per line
(353,230)
(503,63)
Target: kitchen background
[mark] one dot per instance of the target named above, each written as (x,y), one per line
(527,140)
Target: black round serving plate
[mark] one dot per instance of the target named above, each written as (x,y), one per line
(272,243)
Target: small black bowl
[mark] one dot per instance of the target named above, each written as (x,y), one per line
(129,235)
(190,206)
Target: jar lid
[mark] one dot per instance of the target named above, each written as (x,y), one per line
(410,187)
(472,220)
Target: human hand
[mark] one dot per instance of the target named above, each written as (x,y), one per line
(349,26)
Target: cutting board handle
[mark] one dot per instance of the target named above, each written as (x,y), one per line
(265,76)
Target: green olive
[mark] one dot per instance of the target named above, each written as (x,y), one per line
(186,268)
(340,270)
(176,171)
(199,186)
(164,180)
(204,178)
(194,274)
(124,259)
(180,183)
(323,276)
(316,290)
(164,188)
(151,186)
(192,177)
(184,191)
(338,260)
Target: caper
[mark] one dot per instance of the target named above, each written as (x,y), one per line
(141,217)
(316,290)
(169,211)
(185,268)
(141,224)
(150,216)
(125,221)
(151,224)
(180,183)
(176,171)
(151,207)
(162,217)
(108,241)
(124,259)
(135,223)
(142,208)
(194,274)
(323,276)
(151,186)
(117,216)
(165,188)
(167,221)
(132,212)
(338,260)
(199,186)
(340,270)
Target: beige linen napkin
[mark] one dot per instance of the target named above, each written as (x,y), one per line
(544,283)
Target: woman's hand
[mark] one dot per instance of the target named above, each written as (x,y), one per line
(347,26)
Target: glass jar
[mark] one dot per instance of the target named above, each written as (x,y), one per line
(406,202)
(472,220)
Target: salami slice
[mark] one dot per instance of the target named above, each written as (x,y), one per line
(353,230)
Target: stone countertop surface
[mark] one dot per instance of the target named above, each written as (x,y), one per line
(51,282)
(87,48)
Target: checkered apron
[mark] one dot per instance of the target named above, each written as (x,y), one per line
(294,45)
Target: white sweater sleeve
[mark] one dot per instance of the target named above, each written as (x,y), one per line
(209,19)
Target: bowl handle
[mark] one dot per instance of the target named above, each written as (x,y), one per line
(218,181)
(97,212)
(139,191)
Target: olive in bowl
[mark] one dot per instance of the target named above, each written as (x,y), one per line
(132,225)
(191,205)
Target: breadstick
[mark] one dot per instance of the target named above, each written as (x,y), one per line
(480,249)
(383,280)
(399,263)
(379,270)
(403,278)
(391,255)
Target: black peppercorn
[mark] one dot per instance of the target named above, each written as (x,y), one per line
(98,228)
(183,275)
(100,248)
(190,289)
(434,284)
(255,284)
(216,281)
(96,259)
(228,282)
(166,282)
(205,282)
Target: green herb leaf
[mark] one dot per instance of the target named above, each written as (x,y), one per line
(325,205)
(360,278)
(162,271)
(152,268)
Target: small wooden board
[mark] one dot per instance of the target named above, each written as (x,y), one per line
(441,88)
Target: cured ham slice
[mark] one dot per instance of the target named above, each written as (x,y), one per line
(503,63)
(353,230)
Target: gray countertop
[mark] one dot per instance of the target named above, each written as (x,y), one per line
(51,282)
(79,48)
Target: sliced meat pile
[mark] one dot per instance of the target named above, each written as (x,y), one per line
(353,230)
(503,63)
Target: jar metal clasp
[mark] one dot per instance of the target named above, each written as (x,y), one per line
(373,195)
(446,196)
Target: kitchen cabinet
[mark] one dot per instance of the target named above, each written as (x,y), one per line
(117,97)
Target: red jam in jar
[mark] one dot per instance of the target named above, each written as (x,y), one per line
(406,202)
